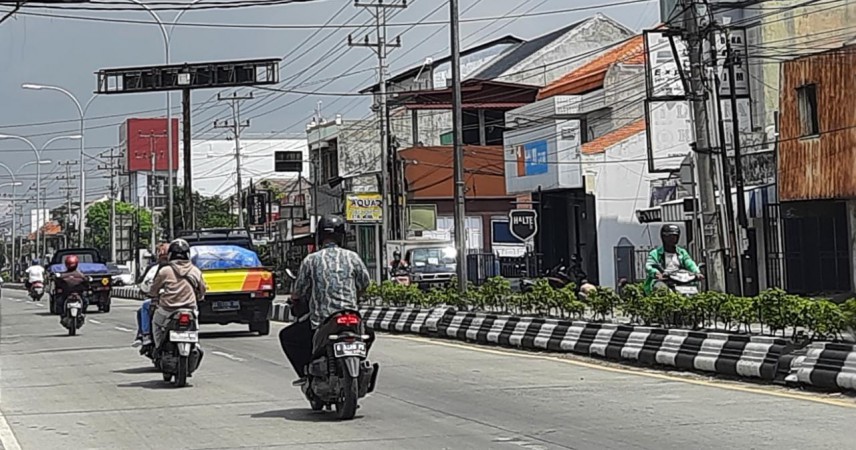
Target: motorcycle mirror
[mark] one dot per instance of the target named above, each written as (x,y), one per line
(290,274)
(702,266)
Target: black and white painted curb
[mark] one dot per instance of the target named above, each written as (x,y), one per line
(823,364)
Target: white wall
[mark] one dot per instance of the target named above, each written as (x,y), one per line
(621,186)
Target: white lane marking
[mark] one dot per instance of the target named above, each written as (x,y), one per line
(228,356)
(7,437)
(95,321)
(126,330)
(17,300)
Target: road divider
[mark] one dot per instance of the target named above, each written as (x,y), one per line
(822,364)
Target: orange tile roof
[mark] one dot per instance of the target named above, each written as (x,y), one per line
(590,76)
(602,143)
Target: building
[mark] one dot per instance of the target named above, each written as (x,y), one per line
(142,142)
(817,190)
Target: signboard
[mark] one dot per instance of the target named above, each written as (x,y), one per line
(288,162)
(545,156)
(532,158)
(364,208)
(524,223)
(257,208)
(649,215)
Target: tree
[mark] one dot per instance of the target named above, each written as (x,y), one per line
(211,212)
(98,222)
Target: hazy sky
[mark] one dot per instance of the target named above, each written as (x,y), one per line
(67,52)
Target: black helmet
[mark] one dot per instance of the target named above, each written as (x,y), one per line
(179,249)
(670,230)
(331,227)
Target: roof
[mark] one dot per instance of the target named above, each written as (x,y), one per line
(523,51)
(410,73)
(431,175)
(476,94)
(606,141)
(51,228)
(590,76)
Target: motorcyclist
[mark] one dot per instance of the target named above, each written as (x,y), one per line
(330,280)
(144,315)
(35,274)
(397,263)
(70,282)
(177,285)
(668,257)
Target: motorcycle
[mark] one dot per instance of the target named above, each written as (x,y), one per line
(37,290)
(340,373)
(400,276)
(681,281)
(75,313)
(179,355)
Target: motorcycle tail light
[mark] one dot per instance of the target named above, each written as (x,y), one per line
(348,319)
(184,319)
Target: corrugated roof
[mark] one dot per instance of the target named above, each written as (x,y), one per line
(523,51)
(602,143)
(590,76)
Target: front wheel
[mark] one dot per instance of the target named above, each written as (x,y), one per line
(181,372)
(263,328)
(346,409)
(104,307)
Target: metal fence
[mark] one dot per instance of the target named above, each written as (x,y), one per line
(481,266)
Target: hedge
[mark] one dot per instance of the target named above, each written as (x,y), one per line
(775,310)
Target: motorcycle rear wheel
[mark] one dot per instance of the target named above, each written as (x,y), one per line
(181,372)
(72,330)
(346,409)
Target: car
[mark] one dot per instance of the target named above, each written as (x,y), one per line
(122,276)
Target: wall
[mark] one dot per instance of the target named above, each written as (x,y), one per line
(557,142)
(620,189)
(819,167)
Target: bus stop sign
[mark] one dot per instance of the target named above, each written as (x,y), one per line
(523,223)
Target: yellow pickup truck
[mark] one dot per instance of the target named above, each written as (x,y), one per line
(239,288)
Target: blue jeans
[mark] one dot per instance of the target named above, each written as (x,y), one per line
(144,318)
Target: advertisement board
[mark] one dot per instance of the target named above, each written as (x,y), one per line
(545,156)
(364,208)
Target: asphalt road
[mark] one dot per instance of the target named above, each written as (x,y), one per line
(93,391)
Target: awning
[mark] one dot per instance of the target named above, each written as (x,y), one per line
(756,199)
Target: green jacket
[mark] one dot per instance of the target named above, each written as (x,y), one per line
(658,257)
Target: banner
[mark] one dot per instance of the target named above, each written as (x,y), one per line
(364,208)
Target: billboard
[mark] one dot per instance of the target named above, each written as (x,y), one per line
(364,208)
(141,136)
(544,155)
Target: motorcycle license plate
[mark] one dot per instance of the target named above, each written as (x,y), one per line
(184,336)
(342,349)
(227,305)
(686,290)
(77,305)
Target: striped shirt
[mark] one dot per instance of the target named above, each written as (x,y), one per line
(331,280)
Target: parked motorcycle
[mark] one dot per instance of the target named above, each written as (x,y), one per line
(179,355)
(37,290)
(340,373)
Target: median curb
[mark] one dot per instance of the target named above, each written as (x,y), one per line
(822,364)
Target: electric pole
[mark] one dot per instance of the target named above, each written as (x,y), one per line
(236,126)
(731,60)
(150,186)
(707,192)
(114,172)
(458,148)
(68,188)
(381,48)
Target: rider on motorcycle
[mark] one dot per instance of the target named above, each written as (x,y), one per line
(330,280)
(72,281)
(144,316)
(668,257)
(35,274)
(177,285)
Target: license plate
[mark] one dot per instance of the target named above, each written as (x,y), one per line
(227,305)
(686,290)
(342,349)
(77,305)
(183,336)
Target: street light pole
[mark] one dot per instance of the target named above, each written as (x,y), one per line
(14,184)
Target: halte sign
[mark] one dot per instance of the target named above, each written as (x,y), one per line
(364,208)
(524,223)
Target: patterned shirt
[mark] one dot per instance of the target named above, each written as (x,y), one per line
(331,279)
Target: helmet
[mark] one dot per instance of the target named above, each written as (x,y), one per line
(331,227)
(179,249)
(71,262)
(670,230)
(396,254)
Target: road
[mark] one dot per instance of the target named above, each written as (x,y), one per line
(93,391)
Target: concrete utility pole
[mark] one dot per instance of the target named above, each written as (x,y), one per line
(68,188)
(381,48)
(114,172)
(707,193)
(236,126)
(458,148)
(150,187)
(731,60)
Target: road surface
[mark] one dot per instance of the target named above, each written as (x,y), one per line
(93,391)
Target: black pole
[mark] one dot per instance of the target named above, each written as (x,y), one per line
(742,220)
(189,216)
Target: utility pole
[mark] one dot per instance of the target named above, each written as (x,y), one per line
(731,60)
(68,188)
(458,148)
(151,186)
(114,172)
(381,48)
(236,126)
(707,193)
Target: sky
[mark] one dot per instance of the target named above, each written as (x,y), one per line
(67,53)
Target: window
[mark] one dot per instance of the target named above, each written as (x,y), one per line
(329,163)
(807,97)
(502,234)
